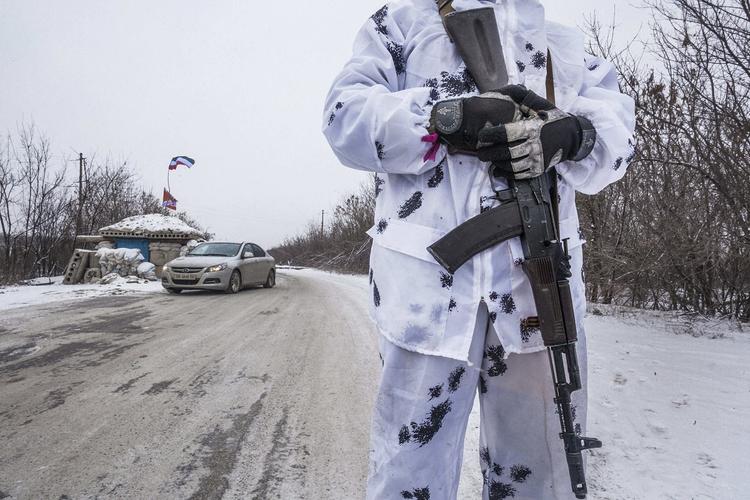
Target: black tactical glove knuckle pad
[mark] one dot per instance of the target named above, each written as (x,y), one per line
(447,116)
(459,121)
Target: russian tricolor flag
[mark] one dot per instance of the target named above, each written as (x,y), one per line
(181,160)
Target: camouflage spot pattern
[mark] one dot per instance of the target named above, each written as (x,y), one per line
(379,19)
(539,60)
(380,150)
(417,494)
(454,379)
(410,206)
(404,436)
(496,355)
(422,433)
(378,185)
(519,473)
(446,280)
(457,83)
(397,54)
(507,304)
(500,491)
(633,151)
(436,392)
(437,177)
(375,294)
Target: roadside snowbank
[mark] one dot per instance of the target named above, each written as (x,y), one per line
(40,293)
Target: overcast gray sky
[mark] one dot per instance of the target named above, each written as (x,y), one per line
(237,85)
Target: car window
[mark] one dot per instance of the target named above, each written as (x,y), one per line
(216,249)
(248,248)
(258,251)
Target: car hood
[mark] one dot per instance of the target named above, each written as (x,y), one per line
(198,261)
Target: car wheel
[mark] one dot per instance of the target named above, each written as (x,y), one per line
(176,291)
(271,280)
(235,283)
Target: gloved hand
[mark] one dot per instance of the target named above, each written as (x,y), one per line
(545,137)
(458,121)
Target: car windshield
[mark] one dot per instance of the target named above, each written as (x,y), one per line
(216,249)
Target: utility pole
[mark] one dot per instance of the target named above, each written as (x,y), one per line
(322,220)
(79,215)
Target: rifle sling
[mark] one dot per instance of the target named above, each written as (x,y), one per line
(445,7)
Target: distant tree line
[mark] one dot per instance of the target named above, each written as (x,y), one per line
(40,211)
(342,244)
(674,234)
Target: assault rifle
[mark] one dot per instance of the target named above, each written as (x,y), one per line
(528,208)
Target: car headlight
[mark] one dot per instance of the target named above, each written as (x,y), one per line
(166,269)
(216,269)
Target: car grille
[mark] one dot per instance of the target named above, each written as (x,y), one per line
(186,270)
(185,282)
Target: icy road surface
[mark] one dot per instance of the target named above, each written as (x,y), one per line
(268,393)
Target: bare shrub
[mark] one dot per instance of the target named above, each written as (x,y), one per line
(342,245)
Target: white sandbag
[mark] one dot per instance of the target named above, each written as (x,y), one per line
(109,279)
(147,270)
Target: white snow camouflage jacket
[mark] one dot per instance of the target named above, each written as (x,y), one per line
(375,117)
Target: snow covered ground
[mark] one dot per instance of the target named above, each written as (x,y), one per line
(669,398)
(672,409)
(40,292)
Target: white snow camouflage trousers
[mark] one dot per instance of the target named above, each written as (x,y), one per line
(421,414)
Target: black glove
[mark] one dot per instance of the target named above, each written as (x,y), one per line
(458,121)
(545,137)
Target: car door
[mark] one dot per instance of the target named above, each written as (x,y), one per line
(264,262)
(248,265)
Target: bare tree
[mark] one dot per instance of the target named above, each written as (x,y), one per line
(39,208)
(674,233)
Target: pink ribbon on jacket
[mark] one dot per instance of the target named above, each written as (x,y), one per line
(431,153)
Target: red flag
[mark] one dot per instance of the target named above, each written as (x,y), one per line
(169,201)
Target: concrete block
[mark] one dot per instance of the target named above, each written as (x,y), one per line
(77,266)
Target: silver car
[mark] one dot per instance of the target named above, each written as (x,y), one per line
(227,267)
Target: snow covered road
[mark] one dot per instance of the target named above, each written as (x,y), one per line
(267,394)
(263,394)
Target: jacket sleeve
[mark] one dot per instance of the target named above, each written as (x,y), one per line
(370,121)
(613,115)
